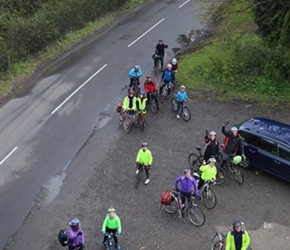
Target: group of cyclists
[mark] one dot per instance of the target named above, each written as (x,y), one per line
(237,238)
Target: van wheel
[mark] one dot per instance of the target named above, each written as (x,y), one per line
(246,163)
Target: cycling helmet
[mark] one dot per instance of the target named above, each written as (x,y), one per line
(148,76)
(237,159)
(111,209)
(234,129)
(237,223)
(182,87)
(137,67)
(142,92)
(160,40)
(212,160)
(174,61)
(169,66)
(144,144)
(74,222)
(186,171)
(131,92)
(212,133)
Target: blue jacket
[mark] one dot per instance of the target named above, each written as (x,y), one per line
(167,76)
(133,73)
(181,96)
(186,184)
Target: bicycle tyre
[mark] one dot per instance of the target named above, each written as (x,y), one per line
(127,126)
(194,161)
(239,177)
(196,215)
(142,126)
(219,180)
(154,105)
(209,198)
(173,207)
(217,243)
(138,179)
(174,104)
(163,94)
(186,115)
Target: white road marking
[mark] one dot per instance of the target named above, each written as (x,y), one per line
(7,156)
(71,95)
(183,4)
(146,32)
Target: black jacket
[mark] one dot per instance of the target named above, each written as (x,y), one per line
(232,144)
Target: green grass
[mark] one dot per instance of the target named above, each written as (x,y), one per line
(229,65)
(20,70)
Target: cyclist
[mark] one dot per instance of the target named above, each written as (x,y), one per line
(212,145)
(208,172)
(112,224)
(160,49)
(187,187)
(238,238)
(232,144)
(141,104)
(150,87)
(135,72)
(181,97)
(174,64)
(144,158)
(76,238)
(167,77)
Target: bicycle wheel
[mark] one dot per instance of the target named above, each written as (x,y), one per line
(154,105)
(127,124)
(221,176)
(217,243)
(194,161)
(163,94)
(173,104)
(196,215)
(173,207)
(239,177)
(186,115)
(138,178)
(209,198)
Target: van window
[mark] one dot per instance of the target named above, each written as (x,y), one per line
(249,138)
(268,146)
(284,153)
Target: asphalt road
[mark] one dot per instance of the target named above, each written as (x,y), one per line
(42,131)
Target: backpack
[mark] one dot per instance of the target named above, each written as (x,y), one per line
(166,198)
(62,237)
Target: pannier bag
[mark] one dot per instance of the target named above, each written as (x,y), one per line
(166,198)
(62,237)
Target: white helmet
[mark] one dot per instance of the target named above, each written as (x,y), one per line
(174,61)
(169,66)
(137,67)
(182,87)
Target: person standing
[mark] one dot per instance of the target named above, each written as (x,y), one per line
(144,159)
(160,49)
(237,238)
(76,238)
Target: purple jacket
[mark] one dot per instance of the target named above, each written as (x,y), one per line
(73,239)
(186,184)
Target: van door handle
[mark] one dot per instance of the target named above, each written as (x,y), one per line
(278,162)
(252,151)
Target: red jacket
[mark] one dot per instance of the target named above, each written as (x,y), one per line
(150,86)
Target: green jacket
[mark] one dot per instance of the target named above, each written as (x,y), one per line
(112,224)
(230,245)
(144,158)
(126,103)
(208,172)
(141,103)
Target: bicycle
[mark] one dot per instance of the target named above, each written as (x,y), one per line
(167,87)
(185,112)
(153,102)
(195,161)
(235,169)
(110,241)
(194,213)
(208,195)
(156,59)
(142,120)
(219,241)
(135,86)
(127,121)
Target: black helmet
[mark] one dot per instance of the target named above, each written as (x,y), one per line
(237,223)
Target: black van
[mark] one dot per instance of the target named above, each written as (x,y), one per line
(267,145)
